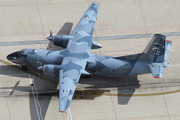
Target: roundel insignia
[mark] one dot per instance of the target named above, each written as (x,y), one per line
(156,50)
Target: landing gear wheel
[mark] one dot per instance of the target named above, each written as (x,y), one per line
(24,68)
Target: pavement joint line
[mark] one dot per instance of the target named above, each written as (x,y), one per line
(165,103)
(7,103)
(40,19)
(125,95)
(94,38)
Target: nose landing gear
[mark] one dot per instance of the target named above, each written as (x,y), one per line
(24,68)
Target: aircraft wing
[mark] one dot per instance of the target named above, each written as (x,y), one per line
(76,55)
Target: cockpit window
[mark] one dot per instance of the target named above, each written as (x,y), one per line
(20,53)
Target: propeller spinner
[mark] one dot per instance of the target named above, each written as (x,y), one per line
(51,36)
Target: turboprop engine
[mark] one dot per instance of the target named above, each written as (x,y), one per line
(62,41)
(59,40)
(50,70)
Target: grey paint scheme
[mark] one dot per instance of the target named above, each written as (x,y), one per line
(76,59)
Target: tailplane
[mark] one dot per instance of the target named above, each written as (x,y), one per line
(157,52)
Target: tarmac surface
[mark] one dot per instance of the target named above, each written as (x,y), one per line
(123,27)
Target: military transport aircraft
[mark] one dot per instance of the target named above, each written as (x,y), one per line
(76,59)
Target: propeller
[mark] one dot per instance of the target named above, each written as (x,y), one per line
(50,38)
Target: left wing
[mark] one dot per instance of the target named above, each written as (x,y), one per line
(68,80)
(76,55)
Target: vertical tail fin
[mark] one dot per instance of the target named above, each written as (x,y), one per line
(157,53)
(155,50)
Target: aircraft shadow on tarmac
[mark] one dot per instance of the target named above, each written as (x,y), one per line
(126,86)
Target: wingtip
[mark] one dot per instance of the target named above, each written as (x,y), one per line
(169,40)
(158,77)
(63,111)
(97,2)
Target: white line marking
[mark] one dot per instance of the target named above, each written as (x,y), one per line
(38,101)
(34,99)
(69,114)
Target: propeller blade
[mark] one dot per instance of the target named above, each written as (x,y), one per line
(51,33)
(51,36)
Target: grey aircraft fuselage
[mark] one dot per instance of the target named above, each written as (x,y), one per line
(97,64)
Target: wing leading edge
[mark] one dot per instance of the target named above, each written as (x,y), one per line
(76,55)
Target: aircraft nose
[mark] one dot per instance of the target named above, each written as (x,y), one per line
(13,56)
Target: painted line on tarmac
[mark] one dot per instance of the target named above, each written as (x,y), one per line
(69,114)
(35,101)
(126,95)
(40,110)
(148,94)
(94,38)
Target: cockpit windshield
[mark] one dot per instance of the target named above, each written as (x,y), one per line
(21,52)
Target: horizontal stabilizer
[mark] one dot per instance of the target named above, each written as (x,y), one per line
(157,70)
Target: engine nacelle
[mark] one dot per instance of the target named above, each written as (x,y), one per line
(50,70)
(61,40)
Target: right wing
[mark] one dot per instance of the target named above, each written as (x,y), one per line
(75,56)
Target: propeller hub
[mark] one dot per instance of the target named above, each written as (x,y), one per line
(50,38)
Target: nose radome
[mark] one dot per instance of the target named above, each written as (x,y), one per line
(12,56)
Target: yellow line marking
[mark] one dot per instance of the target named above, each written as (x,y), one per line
(148,94)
